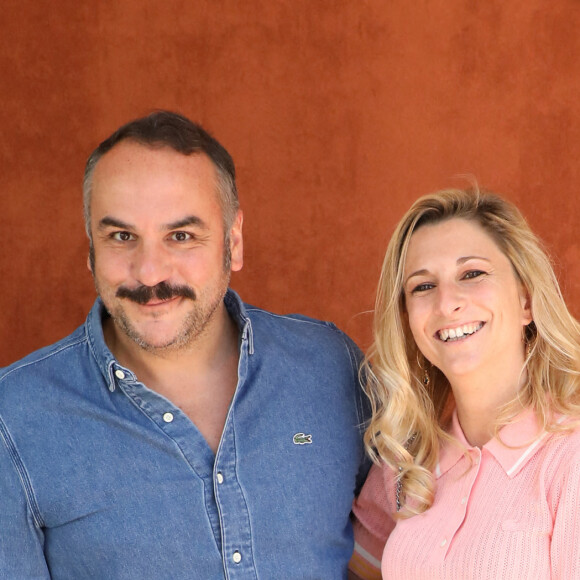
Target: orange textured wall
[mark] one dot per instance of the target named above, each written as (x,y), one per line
(338,115)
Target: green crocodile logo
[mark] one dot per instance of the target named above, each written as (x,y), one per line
(302,439)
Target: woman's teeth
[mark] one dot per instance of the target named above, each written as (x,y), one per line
(448,334)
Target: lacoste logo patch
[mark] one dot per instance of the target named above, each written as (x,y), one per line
(302,439)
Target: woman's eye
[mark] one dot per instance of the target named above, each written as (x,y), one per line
(122,236)
(473,274)
(422,287)
(181,236)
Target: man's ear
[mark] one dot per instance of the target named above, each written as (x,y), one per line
(91,258)
(237,243)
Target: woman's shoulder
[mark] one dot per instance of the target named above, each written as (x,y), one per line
(561,450)
(377,494)
(373,522)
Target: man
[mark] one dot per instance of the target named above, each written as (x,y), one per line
(178,433)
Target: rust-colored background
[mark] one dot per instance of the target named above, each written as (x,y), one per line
(338,114)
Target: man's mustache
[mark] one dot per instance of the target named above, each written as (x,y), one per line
(162,291)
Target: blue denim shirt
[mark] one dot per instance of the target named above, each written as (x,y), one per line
(102,478)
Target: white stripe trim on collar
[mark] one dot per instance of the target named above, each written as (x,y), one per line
(366,556)
(525,454)
(530,449)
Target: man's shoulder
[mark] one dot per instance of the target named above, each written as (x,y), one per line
(296,326)
(38,361)
(307,338)
(288,319)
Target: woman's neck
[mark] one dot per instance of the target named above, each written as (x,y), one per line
(479,401)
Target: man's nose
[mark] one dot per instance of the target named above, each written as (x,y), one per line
(151,264)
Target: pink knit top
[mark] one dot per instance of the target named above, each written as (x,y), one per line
(514,513)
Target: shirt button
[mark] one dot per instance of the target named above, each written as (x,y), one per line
(463,500)
(220,478)
(237,557)
(168,417)
(443,542)
(119,374)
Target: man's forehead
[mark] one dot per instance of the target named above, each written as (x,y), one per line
(131,167)
(131,152)
(150,187)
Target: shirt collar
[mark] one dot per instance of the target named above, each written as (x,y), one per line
(517,443)
(237,310)
(107,363)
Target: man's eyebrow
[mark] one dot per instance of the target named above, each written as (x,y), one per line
(191,220)
(111,222)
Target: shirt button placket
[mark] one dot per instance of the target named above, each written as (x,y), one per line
(459,511)
(236,531)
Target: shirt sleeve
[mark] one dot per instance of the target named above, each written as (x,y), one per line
(565,547)
(21,539)
(362,405)
(372,523)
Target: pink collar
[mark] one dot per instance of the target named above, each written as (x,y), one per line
(522,436)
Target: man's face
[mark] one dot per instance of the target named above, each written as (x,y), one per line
(160,261)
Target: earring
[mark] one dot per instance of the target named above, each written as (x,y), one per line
(528,349)
(426,378)
(529,338)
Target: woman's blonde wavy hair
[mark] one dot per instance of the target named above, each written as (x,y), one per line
(409,418)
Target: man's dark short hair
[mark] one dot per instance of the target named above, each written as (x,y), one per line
(167,129)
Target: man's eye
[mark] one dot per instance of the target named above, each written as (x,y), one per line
(180,236)
(473,274)
(122,236)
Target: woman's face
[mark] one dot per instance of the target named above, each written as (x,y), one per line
(465,306)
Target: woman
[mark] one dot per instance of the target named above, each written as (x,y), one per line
(474,377)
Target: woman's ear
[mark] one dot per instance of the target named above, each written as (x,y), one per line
(526,304)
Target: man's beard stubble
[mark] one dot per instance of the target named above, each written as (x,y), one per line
(194,323)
